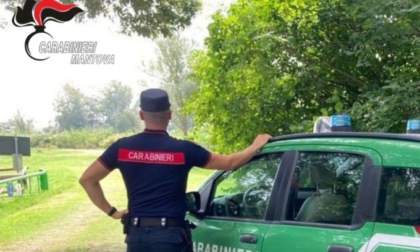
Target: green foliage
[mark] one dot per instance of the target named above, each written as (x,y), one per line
(277,69)
(20,125)
(388,109)
(115,99)
(17,125)
(152,18)
(127,121)
(202,135)
(393,40)
(43,140)
(141,17)
(73,109)
(111,108)
(172,71)
(85,138)
(114,107)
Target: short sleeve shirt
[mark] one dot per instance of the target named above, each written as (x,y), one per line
(155,169)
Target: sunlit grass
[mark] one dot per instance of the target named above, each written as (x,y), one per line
(22,216)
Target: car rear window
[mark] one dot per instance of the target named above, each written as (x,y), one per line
(399,196)
(324,187)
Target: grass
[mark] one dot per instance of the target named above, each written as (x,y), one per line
(63,218)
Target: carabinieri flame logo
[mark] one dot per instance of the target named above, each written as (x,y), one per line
(37,13)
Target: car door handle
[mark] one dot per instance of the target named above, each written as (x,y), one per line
(339,248)
(248,238)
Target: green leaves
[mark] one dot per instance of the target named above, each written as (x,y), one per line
(171,69)
(274,67)
(153,18)
(111,109)
(148,18)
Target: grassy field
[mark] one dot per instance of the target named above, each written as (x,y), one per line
(63,218)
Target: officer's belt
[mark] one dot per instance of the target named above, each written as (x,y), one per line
(156,222)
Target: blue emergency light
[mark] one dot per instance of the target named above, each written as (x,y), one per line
(340,123)
(413,126)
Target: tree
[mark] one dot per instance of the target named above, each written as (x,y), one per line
(4,128)
(127,121)
(172,71)
(20,125)
(115,107)
(74,109)
(143,17)
(391,39)
(278,68)
(111,109)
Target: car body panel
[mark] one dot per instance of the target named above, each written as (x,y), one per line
(389,237)
(292,237)
(225,235)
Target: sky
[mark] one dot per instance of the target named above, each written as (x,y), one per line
(31,86)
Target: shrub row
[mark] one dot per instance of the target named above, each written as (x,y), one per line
(76,139)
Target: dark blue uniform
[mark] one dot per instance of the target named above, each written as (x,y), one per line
(155,169)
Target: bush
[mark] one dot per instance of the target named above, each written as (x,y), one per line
(76,139)
(82,138)
(43,140)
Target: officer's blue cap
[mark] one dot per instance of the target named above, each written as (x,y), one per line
(154,100)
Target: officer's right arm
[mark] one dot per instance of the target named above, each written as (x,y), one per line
(90,181)
(234,160)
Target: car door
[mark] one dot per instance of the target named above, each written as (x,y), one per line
(328,202)
(236,206)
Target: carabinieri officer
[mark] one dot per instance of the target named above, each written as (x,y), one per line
(155,169)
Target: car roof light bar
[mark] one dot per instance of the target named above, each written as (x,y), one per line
(413,126)
(340,123)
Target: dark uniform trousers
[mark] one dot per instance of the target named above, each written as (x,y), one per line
(156,238)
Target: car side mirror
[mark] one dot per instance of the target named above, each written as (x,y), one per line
(193,202)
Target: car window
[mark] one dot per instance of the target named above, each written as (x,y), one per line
(324,187)
(244,193)
(399,200)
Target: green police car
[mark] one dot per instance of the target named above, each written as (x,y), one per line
(336,192)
